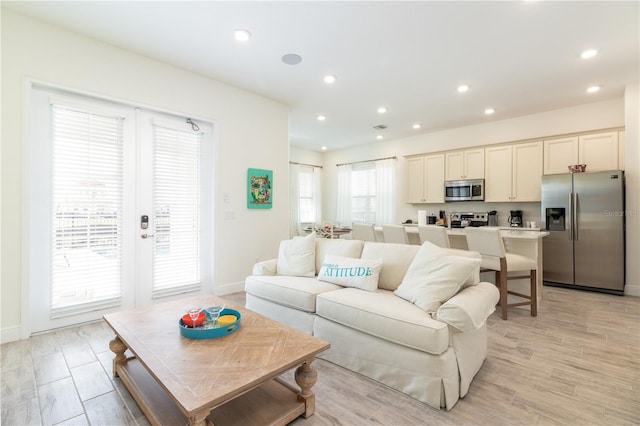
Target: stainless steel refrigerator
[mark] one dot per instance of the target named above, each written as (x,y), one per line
(585,216)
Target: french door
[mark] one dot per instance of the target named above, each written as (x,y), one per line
(115,208)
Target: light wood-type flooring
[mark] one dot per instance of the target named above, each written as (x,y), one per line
(577,363)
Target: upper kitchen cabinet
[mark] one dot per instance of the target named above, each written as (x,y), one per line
(467,164)
(513,172)
(599,151)
(425,182)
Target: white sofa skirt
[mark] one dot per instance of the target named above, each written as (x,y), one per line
(295,318)
(432,379)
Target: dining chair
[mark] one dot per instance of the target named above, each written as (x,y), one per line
(363,232)
(434,234)
(395,234)
(490,245)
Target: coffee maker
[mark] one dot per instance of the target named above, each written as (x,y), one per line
(515,219)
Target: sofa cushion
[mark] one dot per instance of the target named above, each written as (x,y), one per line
(468,310)
(396,259)
(339,247)
(434,277)
(295,292)
(350,272)
(386,316)
(296,257)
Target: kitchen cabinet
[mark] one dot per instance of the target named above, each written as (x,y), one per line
(513,173)
(468,164)
(425,179)
(599,151)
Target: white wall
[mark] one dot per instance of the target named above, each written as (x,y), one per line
(593,116)
(251,131)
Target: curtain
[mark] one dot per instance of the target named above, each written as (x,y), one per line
(294,200)
(343,214)
(317,192)
(385,191)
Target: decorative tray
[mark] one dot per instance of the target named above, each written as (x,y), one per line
(210,331)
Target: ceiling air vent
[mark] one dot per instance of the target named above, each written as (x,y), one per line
(380,127)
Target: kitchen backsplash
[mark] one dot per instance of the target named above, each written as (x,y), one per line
(530,211)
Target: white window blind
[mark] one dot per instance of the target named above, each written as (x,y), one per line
(307,192)
(363,193)
(176,206)
(87,187)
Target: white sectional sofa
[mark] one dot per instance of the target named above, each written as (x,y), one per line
(428,349)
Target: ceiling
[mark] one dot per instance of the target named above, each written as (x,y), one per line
(518,57)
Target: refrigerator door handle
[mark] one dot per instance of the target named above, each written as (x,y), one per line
(575,214)
(570,215)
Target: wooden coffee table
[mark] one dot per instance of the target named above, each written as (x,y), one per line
(227,380)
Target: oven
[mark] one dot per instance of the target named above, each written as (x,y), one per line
(464,190)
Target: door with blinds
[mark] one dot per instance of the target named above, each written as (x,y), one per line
(115,209)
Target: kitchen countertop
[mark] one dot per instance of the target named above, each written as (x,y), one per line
(506,232)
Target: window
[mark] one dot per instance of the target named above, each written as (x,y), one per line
(307,196)
(86,196)
(367,192)
(363,193)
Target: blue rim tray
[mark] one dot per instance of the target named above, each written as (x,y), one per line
(211,333)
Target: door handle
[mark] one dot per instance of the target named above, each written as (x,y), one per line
(145,236)
(570,216)
(575,213)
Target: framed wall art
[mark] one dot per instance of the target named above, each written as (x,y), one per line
(259,189)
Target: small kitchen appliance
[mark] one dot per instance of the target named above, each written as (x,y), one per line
(515,219)
(493,218)
(464,219)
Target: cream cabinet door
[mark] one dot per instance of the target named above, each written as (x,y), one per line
(527,172)
(560,153)
(598,151)
(415,180)
(621,150)
(465,164)
(474,164)
(454,162)
(434,185)
(498,169)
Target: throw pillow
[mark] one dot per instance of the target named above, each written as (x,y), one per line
(351,272)
(297,257)
(433,277)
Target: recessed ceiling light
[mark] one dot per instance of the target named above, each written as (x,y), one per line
(382,110)
(593,89)
(588,53)
(416,126)
(489,111)
(321,117)
(324,148)
(379,137)
(329,79)
(241,35)
(291,59)
(463,88)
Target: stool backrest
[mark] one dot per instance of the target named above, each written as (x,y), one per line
(395,234)
(487,242)
(434,234)
(363,232)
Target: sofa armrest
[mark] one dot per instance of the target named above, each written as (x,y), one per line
(266,267)
(468,310)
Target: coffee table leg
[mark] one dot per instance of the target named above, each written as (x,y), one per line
(118,348)
(306,376)
(200,419)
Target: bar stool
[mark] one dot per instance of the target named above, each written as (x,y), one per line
(395,234)
(434,234)
(363,232)
(490,245)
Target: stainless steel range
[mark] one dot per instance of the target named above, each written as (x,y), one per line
(464,219)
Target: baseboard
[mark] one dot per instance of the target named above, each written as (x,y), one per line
(632,290)
(228,288)
(9,334)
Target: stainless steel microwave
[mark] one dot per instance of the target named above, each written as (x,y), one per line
(464,190)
